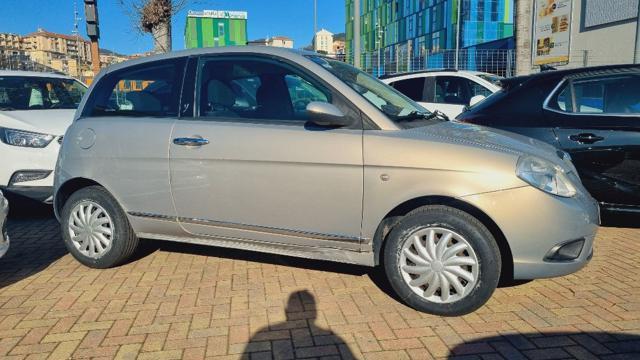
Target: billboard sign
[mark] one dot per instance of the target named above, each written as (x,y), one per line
(551,31)
(219,14)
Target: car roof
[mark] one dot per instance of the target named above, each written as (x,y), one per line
(431,71)
(33,74)
(558,74)
(248,49)
(418,72)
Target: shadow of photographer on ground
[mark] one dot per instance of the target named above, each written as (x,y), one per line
(299,336)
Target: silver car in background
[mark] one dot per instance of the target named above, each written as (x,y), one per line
(292,153)
(4,237)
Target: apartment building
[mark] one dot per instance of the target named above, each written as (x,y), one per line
(46,46)
(277,41)
(323,41)
(10,41)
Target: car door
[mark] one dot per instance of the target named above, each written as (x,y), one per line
(597,121)
(125,129)
(249,166)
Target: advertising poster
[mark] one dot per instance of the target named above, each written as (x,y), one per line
(551,31)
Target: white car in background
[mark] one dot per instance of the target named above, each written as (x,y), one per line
(35,111)
(4,238)
(448,91)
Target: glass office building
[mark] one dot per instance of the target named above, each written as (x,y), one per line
(420,28)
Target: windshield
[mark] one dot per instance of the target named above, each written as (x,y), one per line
(39,93)
(494,79)
(391,102)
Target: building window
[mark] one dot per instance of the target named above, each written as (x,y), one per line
(435,41)
(221,29)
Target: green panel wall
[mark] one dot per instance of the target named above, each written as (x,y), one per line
(205,32)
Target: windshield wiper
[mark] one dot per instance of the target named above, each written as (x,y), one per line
(414,115)
(439,115)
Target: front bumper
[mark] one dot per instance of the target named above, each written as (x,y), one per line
(21,159)
(534,223)
(38,193)
(4,237)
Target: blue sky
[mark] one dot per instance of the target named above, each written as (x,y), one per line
(293,18)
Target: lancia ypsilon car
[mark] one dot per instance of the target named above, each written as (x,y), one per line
(296,154)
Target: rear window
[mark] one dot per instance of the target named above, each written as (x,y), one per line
(39,93)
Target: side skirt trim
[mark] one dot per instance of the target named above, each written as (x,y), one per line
(306,252)
(254,228)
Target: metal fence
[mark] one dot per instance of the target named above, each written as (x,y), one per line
(22,62)
(500,62)
(495,61)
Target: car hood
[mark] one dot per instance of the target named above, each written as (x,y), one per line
(487,138)
(52,121)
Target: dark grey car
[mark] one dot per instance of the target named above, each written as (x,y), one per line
(591,113)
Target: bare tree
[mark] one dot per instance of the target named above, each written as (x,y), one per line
(154,17)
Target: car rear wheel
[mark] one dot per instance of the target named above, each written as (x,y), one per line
(96,230)
(442,260)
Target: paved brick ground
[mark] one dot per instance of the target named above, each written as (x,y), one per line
(182,301)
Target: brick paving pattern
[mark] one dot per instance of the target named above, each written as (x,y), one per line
(183,301)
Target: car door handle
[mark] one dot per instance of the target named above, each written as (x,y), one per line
(586,138)
(190,141)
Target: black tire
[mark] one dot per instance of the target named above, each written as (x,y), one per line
(123,240)
(462,223)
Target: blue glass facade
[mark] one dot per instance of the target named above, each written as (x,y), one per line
(415,28)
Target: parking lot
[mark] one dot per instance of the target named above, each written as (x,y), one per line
(185,301)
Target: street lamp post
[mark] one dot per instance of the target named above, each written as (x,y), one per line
(459,9)
(636,54)
(315,17)
(356,33)
(379,34)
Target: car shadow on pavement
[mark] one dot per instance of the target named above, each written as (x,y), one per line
(299,336)
(246,255)
(375,274)
(35,240)
(621,220)
(552,345)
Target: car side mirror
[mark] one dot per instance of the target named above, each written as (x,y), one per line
(476,99)
(325,114)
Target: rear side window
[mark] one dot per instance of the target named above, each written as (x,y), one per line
(412,88)
(614,95)
(151,89)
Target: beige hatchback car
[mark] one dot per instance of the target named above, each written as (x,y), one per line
(296,154)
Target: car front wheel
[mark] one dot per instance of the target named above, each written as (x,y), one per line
(96,230)
(442,260)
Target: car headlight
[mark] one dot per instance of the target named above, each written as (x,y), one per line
(545,175)
(24,138)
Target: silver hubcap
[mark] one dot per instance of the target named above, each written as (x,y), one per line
(91,229)
(439,265)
